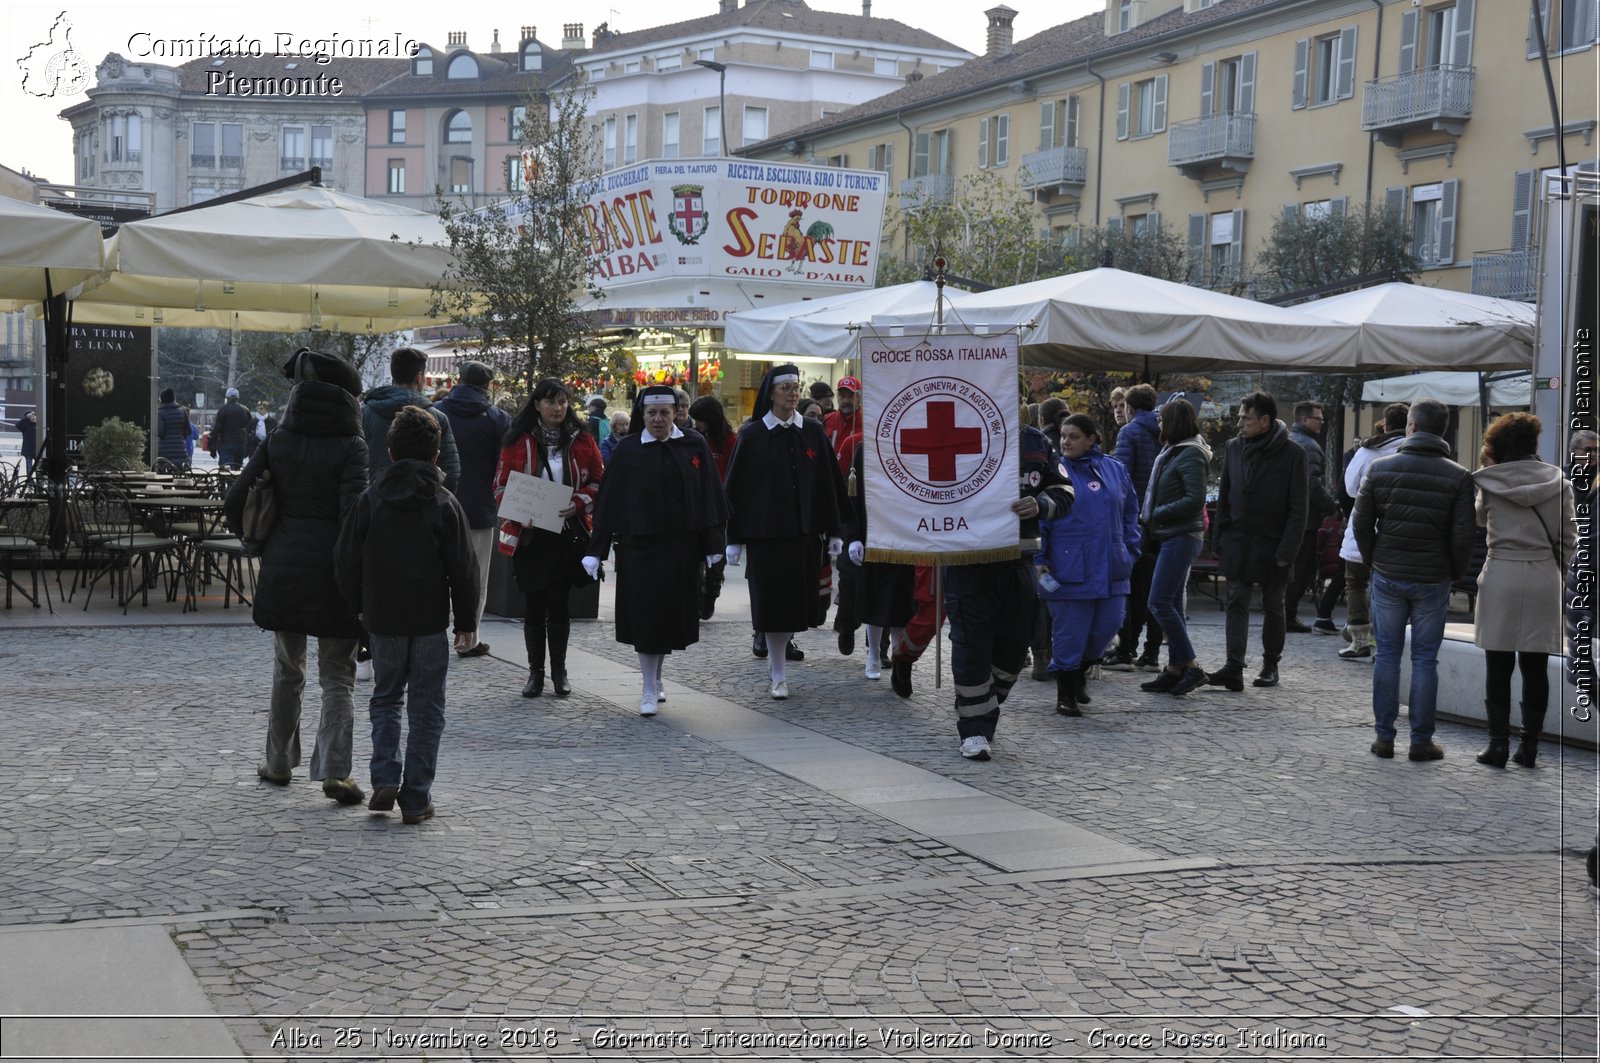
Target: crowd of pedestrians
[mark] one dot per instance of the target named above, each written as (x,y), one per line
(390,515)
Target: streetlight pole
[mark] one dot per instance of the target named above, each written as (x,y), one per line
(722,99)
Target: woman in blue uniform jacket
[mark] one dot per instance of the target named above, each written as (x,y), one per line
(1086,558)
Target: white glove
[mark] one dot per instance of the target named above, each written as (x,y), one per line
(858,552)
(735,552)
(835,546)
(712,559)
(591,565)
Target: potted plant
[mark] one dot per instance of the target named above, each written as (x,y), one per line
(115,444)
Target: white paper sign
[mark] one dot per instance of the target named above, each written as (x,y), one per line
(535,501)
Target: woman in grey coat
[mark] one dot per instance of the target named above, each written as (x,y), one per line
(1526,506)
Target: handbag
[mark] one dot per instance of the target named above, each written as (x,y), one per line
(260,512)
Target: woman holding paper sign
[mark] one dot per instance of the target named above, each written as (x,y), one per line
(662,504)
(548,440)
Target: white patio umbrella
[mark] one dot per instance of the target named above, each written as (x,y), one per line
(36,240)
(1110,319)
(317,257)
(1433,328)
(820,326)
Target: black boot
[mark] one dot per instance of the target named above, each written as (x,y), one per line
(1532,725)
(1499,735)
(1080,683)
(559,629)
(1066,695)
(533,640)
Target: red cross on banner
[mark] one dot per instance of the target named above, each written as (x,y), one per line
(941,442)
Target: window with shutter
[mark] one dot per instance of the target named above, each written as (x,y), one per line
(1300,89)
(1002,140)
(1196,265)
(1409,22)
(1521,209)
(983,143)
(1533,27)
(1124,95)
(1208,74)
(1047,125)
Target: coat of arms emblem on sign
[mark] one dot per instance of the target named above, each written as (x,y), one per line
(688,219)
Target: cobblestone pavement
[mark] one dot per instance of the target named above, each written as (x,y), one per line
(602,886)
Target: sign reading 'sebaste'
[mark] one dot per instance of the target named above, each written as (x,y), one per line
(732,219)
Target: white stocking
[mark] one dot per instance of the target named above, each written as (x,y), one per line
(874,636)
(650,669)
(777,655)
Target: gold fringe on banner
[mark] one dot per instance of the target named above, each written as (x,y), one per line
(959,557)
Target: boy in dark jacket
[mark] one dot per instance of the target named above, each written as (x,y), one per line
(404,560)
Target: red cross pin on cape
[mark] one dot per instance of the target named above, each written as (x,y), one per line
(810,453)
(695,461)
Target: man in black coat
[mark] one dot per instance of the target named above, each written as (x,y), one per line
(1415,524)
(1261,516)
(1307,431)
(233,432)
(318,463)
(479,428)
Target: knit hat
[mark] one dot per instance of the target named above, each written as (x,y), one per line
(232,393)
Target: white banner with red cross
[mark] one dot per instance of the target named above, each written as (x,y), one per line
(940,447)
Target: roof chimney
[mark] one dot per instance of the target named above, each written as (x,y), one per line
(866,8)
(494,45)
(458,39)
(725,7)
(529,33)
(572,39)
(999,31)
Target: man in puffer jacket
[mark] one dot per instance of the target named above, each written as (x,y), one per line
(479,428)
(1414,524)
(407,368)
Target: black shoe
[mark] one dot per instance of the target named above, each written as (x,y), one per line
(1323,626)
(1149,661)
(1230,677)
(1425,751)
(414,818)
(480,650)
(1066,694)
(900,678)
(1080,683)
(558,680)
(1121,661)
(1191,678)
(847,642)
(1267,678)
(793,652)
(1527,753)
(535,684)
(383,798)
(1161,683)
(1495,756)
(1383,747)
(1294,624)
(758,645)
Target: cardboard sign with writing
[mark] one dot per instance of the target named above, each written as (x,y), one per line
(535,501)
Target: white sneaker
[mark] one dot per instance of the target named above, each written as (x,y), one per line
(780,690)
(647,705)
(975,748)
(364,671)
(661,695)
(874,669)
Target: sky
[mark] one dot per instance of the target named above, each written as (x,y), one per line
(40,142)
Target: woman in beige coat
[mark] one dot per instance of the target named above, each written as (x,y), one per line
(1526,506)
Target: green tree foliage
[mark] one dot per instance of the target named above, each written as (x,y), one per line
(522,264)
(1308,252)
(195,361)
(1153,251)
(988,231)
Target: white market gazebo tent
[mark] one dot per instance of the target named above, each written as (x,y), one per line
(303,256)
(1109,319)
(1432,328)
(36,241)
(1452,389)
(821,327)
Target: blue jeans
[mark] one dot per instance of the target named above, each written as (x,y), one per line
(410,669)
(1166,595)
(1396,603)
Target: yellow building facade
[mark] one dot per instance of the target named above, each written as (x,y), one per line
(1218,117)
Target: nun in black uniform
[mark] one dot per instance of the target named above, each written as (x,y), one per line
(662,505)
(785,495)
(884,592)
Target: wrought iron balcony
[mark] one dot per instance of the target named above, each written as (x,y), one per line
(1055,170)
(1226,140)
(1506,274)
(930,190)
(1439,97)
(202,162)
